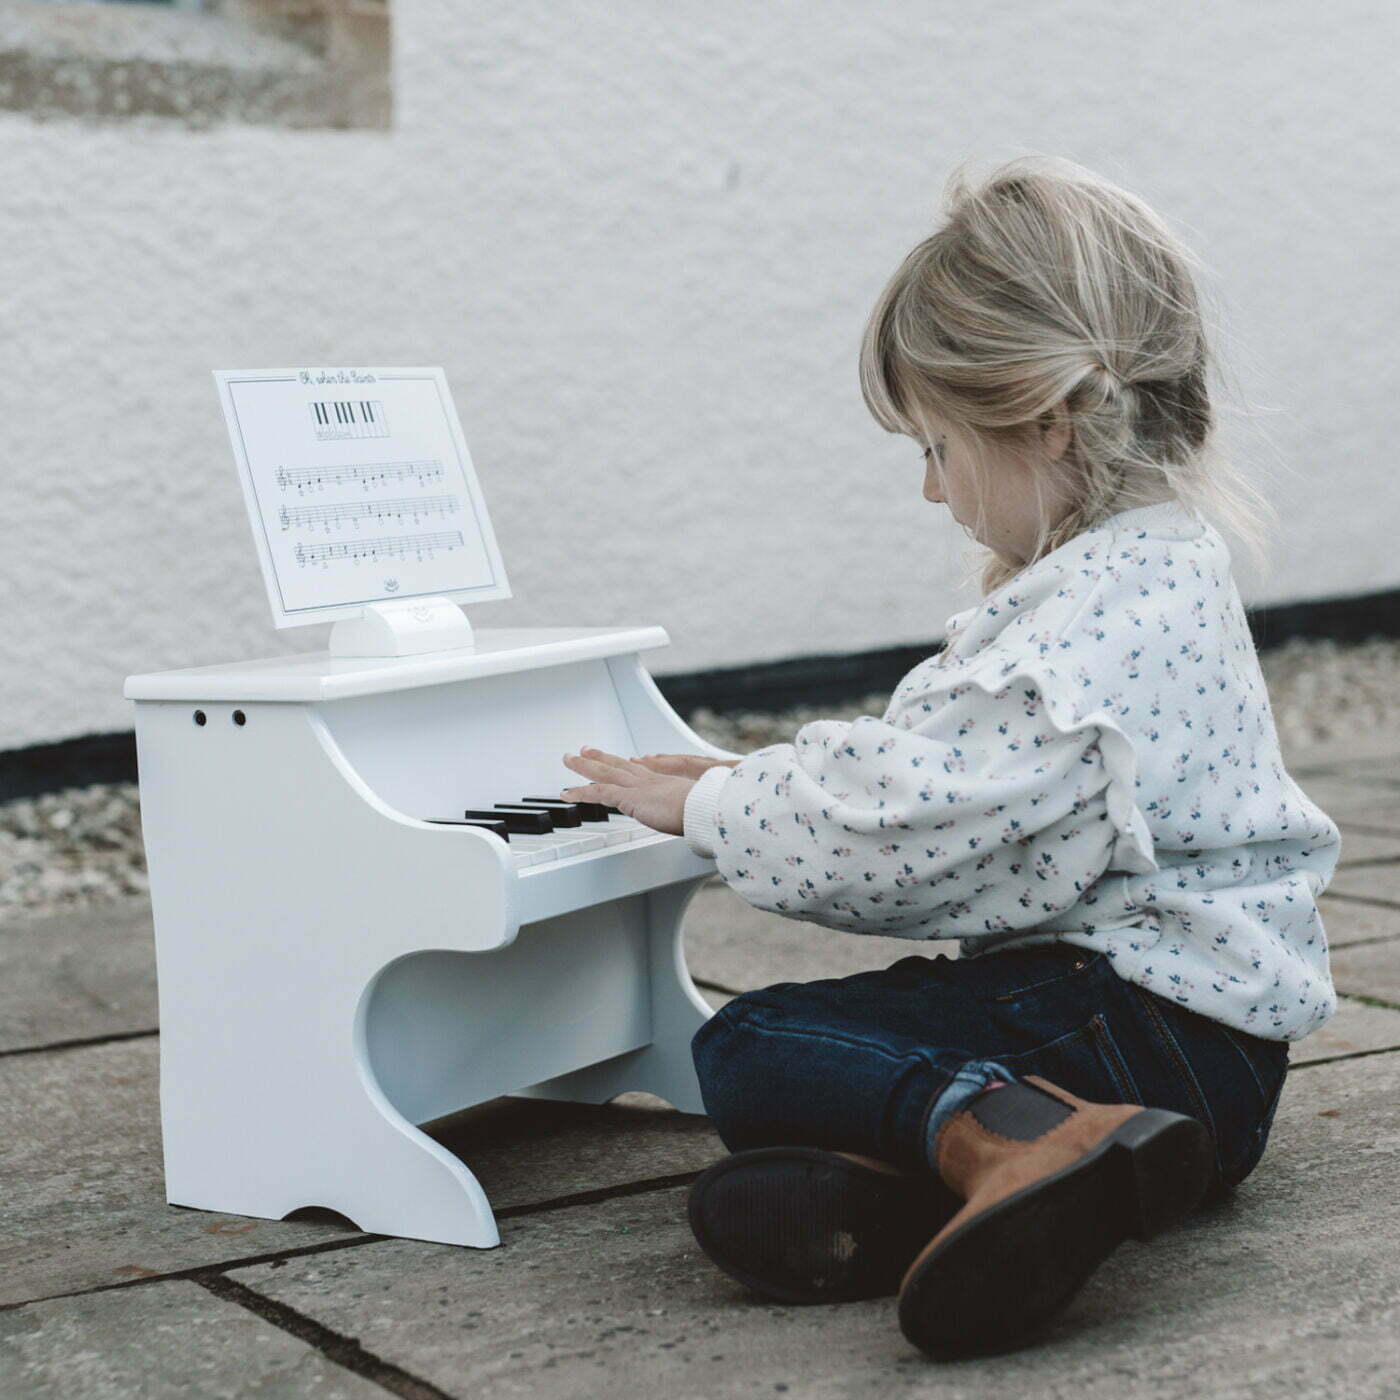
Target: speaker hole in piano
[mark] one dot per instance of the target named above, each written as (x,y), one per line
(239,717)
(200,717)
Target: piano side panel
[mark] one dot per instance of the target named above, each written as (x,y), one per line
(443,1032)
(434,751)
(656,727)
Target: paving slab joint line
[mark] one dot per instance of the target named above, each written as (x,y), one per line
(1368,1001)
(1362,899)
(343,1351)
(1366,828)
(1364,943)
(81,1043)
(1346,1055)
(198,1273)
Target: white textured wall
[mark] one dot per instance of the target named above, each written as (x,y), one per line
(643,240)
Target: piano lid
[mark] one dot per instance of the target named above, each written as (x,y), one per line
(317,675)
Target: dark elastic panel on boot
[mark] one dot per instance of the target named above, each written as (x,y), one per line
(1018,1111)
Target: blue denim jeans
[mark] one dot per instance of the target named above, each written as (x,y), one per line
(876,1063)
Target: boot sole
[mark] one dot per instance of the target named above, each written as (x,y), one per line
(1020,1261)
(801,1225)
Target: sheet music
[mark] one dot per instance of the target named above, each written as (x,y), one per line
(359,488)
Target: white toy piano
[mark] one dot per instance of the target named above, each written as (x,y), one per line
(346,947)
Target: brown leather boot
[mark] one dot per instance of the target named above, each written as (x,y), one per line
(1052,1184)
(804,1225)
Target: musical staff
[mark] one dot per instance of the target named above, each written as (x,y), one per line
(420,547)
(406,507)
(371,474)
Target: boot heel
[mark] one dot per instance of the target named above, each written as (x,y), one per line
(1167,1161)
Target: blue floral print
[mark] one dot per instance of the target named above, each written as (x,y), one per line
(1090,759)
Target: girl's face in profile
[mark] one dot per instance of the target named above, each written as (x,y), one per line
(947,482)
(1012,512)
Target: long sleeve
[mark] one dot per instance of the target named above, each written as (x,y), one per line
(967,809)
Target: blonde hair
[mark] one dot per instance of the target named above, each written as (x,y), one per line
(1050,295)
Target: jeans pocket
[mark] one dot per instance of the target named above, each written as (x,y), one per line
(1035,972)
(1086,1061)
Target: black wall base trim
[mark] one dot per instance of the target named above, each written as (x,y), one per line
(764,687)
(93,758)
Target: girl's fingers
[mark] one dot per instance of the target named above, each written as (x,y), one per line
(602,756)
(609,794)
(594,763)
(663,763)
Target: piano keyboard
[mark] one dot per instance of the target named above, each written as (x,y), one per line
(543,829)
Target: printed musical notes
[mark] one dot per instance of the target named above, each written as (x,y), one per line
(372,474)
(355,513)
(400,547)
(359,487)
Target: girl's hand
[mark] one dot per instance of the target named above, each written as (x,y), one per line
(683,765)
(655,799)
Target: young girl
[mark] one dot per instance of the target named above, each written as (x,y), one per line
(1084,787)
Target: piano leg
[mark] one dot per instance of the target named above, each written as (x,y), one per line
(262,1124)
(664,1067)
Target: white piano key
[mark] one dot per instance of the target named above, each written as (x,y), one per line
(584,840)
(565,847)
(541,847)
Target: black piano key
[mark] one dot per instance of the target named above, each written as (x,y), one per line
(496,828)
(587,811)
(526,822)
(562,815)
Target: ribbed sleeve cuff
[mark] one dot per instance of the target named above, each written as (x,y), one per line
(702,811)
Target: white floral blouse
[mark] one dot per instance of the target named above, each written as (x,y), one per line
(1091,759)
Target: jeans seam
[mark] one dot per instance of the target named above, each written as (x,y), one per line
(1185,1074)
(1240,1050)
(753,1014)
(1112,1055)
(1258,1139)
(1073,971)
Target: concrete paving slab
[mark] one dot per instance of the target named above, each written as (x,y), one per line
(167,1341)
(1356,1028)
(1373,763)
(525,1151)
(1347,922)
(86,973)
(1259,1296)
(1366,751)
(1347,800)
(1368,970)
(1366,847)
(735,946)
(83,1185)
(1378,882)
(76,974)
